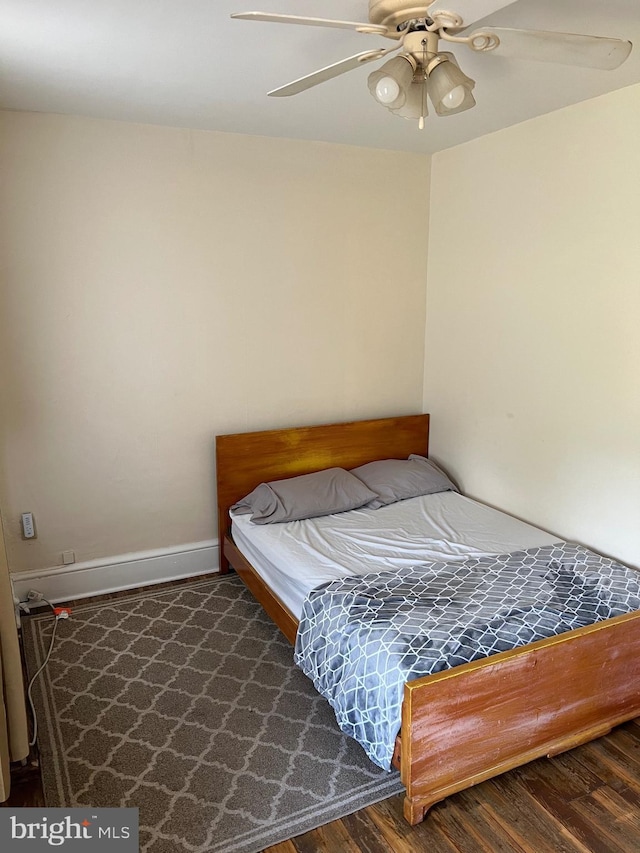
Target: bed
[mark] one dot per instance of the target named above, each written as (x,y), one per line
(473,721)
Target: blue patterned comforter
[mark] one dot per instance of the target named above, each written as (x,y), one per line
(361,638)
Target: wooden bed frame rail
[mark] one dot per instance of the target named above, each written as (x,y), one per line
(472,722)
(274,608)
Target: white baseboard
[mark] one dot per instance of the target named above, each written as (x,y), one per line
(125,571)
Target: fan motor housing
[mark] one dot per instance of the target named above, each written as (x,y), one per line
(390,13)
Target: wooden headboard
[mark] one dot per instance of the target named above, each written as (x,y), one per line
(244,460)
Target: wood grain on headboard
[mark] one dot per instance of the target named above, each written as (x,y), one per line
(244,460)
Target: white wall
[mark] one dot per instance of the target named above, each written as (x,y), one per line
(533,320)
(159,286)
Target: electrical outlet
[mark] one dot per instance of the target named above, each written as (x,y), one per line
(28,526)
(68,557)
(34,595)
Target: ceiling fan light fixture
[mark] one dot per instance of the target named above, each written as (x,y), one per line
(390,84)
(402,84)
(449,87)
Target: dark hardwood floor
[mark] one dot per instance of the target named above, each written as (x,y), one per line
(584,801)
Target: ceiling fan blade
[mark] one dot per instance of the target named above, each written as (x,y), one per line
(311,22)
(329,72)
(563,48)
(469,10)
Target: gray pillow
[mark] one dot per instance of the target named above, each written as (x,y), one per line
(306,496)
(399,479)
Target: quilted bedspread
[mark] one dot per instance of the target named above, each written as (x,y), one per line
(361,638)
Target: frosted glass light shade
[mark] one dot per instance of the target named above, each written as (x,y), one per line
(415,106)
(449,87)
(398,70)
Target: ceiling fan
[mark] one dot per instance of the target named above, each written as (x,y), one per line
(421,67)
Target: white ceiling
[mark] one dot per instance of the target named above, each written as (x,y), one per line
(186,63)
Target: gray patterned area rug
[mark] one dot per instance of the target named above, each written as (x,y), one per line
(186,704)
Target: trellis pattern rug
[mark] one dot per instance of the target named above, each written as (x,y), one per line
(186,704)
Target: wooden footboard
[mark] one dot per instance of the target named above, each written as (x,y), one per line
(475,721)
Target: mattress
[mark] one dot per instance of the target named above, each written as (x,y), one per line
(295,557)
